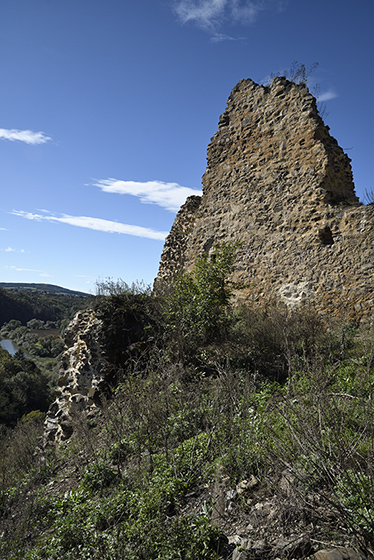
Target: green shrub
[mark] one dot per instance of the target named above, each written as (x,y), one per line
(98,476)
(199,304)
(355,499)
(132,322)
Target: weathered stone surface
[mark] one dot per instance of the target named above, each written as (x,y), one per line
(81,377)
(295,547)
(279,184)
(244,486)
(291,548)
(174,252)
(337,554)
(239,555)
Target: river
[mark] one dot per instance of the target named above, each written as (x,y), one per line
(9,346)
(12,347)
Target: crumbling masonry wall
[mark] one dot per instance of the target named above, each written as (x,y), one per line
(279,184)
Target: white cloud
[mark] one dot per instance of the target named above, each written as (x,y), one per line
(218,37)
(24,269)
(210,15)
(89,278)
(245,11)
(27,136)
(19,269)
(97,224)
(11,250)
(167,195)
(206,13)
(327,95)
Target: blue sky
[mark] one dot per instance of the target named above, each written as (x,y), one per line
(107,107)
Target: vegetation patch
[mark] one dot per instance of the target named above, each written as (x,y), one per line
(222,421)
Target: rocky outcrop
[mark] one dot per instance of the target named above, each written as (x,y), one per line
(81,377)
(280,185)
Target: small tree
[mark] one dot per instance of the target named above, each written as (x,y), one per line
(198,305)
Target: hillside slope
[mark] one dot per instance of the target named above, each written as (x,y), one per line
(252,439)
(45,288)
(24,302)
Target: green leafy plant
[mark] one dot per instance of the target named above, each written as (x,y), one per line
(198,307)
(355,498)
(98,476)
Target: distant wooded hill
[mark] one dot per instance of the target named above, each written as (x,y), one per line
(40,301)
(49,288)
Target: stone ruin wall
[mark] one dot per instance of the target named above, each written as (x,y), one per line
(279,184)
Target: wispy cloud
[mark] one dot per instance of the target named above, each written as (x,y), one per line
(327,95)
(11,250)
(167,195)
(245,11)
(211,15)
(208,14)
(97,224)
(26,136)
(41,273)
(88,279)
(23,269)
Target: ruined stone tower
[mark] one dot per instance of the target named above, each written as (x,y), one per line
(279,184)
